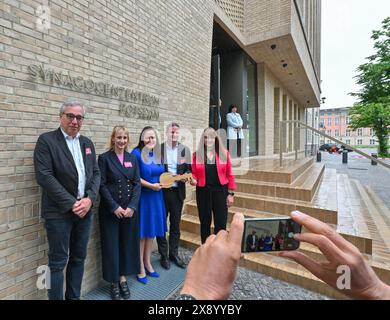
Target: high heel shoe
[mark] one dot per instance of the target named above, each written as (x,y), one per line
(143,280)
(153,274)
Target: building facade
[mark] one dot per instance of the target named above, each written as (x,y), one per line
(140,63)
(334,122)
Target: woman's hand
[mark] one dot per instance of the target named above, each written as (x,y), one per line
(193,182)
(120,213)
(129,212)
(156,187)
(364,283)
(229,200)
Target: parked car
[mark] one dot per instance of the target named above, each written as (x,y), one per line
(330,147)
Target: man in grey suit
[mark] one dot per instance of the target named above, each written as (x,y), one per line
(66,169)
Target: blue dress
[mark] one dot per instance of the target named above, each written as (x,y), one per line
(152,214)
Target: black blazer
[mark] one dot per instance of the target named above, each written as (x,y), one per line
(56,173)
(184,159)
(120,185)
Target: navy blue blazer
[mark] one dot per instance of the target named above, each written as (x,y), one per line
(120,184)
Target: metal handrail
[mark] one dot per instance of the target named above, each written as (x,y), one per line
(299,123)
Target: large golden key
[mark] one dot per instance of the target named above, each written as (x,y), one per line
(167,179)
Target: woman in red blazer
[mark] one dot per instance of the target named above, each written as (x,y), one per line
(214,180)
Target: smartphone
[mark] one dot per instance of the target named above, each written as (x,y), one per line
(270,234)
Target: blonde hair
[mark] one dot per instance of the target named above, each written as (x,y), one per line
(111,143)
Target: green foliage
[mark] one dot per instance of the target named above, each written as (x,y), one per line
(373,107)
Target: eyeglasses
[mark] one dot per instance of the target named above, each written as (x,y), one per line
(71,117)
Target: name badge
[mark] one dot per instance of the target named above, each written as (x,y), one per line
(128,165)
(88,151)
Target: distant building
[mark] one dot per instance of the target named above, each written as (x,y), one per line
(334,122)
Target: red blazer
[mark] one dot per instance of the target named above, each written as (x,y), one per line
(224,170)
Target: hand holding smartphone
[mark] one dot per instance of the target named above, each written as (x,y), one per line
(270,234)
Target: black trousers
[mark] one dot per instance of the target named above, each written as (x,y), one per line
(211,200)
(120,246)
(234,147)
(173,206)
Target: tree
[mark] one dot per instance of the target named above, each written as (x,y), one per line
(373,106)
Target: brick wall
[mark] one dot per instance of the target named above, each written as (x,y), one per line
(234,10)
(155,47)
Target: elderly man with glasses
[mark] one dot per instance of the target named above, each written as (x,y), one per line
(66,169)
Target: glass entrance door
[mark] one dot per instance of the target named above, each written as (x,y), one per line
(215,93)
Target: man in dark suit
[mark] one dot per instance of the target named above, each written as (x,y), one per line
(66,169)
(252,241)
(177,160)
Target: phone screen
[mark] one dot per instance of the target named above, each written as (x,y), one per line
(270,234)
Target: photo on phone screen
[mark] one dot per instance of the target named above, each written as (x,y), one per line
(270,234)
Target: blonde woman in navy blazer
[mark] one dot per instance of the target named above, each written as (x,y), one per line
(120,190)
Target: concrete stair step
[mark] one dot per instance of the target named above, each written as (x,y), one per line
(192,209)
(270,171)
(376,219)
(283,206)
(302,188)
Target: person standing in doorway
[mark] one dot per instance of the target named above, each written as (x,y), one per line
(66,169)
(120,190)
(177,160)
(234,131)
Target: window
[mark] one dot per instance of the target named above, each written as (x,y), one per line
(348,141)
(336,133)
(348,133)
(329,141)
(337,121)
(360,132)
(371,132)
(348,120)
(329,121)
(360,142)
(372,141)
(329,132)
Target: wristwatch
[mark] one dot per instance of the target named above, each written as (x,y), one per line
(185,297)
(231,193)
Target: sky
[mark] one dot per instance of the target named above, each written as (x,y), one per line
(347,27)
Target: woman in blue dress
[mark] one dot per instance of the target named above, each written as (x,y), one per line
(152,212)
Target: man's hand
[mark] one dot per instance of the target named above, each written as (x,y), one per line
(129,212)
(339,252)
(82,207)
(212,269)
(193,182)
(120,213)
